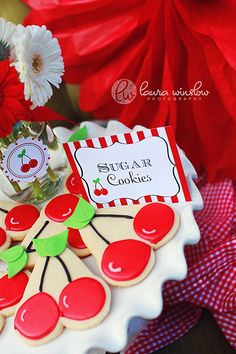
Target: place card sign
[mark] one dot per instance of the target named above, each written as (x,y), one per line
(129,168)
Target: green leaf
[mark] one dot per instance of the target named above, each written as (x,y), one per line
(16,257)
(23,152)
(20,156)
(12,254)
(83,214)
(80,134)
(96,181)
(18,265)
(52,246)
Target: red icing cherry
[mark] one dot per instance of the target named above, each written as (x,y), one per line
(25,168)
(125,260)
(154,221)
(12,290)
(33,163)
(104,191)
(75,239)
(72,184)
(97,192)
(21,217)
(62,207)
(82,299)
(3,237)
(37,317)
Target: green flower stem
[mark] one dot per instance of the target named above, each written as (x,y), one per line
(53,177)
(37,189)
(15,185)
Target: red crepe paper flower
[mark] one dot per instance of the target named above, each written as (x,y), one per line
(170,44)
(13,106)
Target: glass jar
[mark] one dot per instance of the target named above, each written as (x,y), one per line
(45,187)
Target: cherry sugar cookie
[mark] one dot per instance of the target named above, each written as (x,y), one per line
(15,222)
(72,185)
(11,293)
(62,292)
(122,238)
(123,259)
(52,221)
(156,223)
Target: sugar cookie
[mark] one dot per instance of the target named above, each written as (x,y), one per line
(11,293)
(51,222)
(121,238)
(156,223)
(72,185)
(15,222)
(62,292)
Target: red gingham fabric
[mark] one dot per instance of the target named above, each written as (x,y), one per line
(211,280)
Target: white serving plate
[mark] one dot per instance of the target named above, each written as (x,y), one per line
(130,306)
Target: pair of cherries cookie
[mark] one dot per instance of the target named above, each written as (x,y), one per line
(15,221)
(122,241)
(62,291)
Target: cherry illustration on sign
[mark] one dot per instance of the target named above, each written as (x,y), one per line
(32,163)
(25,160)
(99,189)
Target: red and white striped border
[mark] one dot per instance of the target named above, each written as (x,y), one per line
(129,138)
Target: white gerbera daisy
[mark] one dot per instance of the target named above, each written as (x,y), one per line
(6,32)
(38,60)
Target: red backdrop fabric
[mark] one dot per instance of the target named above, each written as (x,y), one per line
(170,44)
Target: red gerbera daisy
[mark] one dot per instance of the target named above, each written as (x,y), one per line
(171,44)
(13,106)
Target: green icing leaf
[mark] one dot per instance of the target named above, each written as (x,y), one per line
(20,156)
(83,214)
(23,152)
(52,246)
(16,257)
(96,181)
(80,134)
(12,254)
(17,266)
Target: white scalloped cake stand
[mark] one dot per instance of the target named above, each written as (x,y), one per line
(129,305)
